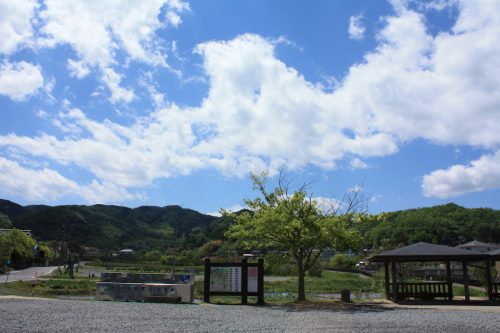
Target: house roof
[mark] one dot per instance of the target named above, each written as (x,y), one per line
(429,252)
(476,243)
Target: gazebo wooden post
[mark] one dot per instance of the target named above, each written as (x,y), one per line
(448,279)
(394,282)
(466,281)
(386,277)
(488,280)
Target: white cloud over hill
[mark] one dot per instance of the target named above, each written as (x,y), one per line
(259,113)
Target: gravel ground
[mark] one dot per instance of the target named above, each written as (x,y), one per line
(43,315)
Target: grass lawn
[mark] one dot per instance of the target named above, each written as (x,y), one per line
(283,291)
(124,266)
(50,286)
(328,283)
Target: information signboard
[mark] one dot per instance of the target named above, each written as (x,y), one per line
(253,279)
(225,279)
(234,279)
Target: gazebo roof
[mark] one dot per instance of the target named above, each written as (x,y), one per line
(476,243)
(429,252)
(495,254)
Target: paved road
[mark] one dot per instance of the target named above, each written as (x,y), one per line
(39,315)
(26,274)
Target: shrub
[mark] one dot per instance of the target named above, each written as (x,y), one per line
(279,264)
(343,262)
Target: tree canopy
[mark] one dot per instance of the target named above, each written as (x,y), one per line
(16,246)
(293,223)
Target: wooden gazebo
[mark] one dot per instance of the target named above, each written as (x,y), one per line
(425,252)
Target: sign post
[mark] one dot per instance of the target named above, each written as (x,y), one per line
(234,279)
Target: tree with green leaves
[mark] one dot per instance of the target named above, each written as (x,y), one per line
(5,222)
(293,222)
(17,246)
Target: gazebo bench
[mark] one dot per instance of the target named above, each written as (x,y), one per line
(423,290)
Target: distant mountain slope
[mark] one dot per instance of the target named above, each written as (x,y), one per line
(448,224)
(110,227)
(146,228)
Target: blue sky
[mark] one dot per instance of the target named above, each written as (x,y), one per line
(176,102)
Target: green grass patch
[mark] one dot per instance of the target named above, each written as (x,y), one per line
(149,267)
(58,283)
(286,291)
(459,291)
(329,282)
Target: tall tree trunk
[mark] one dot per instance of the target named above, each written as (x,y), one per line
(302,273)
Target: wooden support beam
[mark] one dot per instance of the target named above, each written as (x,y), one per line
(386,278)
(466,281)
(394,282)
(448,279)
(244,281)
(488,280)
(206,283)
(260,282)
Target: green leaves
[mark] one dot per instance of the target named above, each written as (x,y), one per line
(292,223)
(18,246)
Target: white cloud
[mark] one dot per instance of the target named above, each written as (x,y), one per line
(327,204)
(113,80)
(479,175)
(47,185)
(357,163)
(261,114)
(78,69)
(98,31)
(356,29)
(157,97)
(233,208)
(437,5)
(41,184)
(15,23)
(20,80)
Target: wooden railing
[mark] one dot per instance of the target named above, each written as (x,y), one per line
(422,290)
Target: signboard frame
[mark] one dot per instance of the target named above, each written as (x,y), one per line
(243,279)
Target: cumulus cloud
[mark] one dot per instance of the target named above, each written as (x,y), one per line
(46,185)
(78,69)
(327,204)
(259,113)
(15,23)
(98,31)
(43,184)
(20,80)
(479,175)
(357,163)
(356,29)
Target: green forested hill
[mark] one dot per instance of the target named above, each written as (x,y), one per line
(148,228)
(448,224)
(113,227)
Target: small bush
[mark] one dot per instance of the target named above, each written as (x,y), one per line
(279,264)
(343,262)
